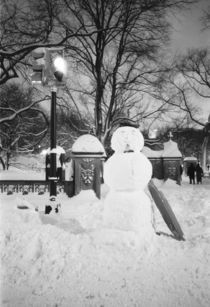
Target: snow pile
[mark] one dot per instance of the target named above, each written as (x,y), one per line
(193,159)
(148,152)
(171,149)
(58,150)
(69,260)
(106,252)
(87,143)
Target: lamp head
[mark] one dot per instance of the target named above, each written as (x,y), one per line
(58,75)
(60,68)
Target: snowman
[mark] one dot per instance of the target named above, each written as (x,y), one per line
(127,173)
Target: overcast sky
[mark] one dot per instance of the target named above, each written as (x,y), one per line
(188,28)
(188,33)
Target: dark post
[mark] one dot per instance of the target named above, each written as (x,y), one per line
(53,177)
(53,180)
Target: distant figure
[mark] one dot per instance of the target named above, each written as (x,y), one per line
(181,172)
(191,173)
(181,169)
(199,173)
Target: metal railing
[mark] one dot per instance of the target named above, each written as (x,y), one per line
(28,186)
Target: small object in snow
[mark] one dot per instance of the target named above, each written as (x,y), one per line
(52,205)
(10,190)
(41,190)
(48,209)
(22,207)
(25,190)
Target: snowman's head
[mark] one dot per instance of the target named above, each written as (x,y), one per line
(127,138)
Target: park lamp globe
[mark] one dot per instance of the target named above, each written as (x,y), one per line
(153,134)
(60,68)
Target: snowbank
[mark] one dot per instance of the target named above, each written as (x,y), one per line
(70,260)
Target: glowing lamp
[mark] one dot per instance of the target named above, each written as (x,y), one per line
(60,68)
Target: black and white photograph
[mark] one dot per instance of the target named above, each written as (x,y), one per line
(105,153)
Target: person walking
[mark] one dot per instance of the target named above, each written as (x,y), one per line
(191,173)
(181,170)
(199,173)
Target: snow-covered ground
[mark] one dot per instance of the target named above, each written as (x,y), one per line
(70,260)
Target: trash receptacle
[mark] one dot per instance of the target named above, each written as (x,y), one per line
(60,166)
(172,158)
(171,168)
(87,155)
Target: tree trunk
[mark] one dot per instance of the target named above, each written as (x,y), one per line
(3,164)
(7,159)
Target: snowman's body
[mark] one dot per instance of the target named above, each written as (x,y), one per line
(127,206)
(127,172)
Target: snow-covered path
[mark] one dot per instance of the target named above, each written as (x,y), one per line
(54,261)
(194,201)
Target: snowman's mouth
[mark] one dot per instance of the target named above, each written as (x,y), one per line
(128,149)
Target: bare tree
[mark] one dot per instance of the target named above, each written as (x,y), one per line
(23,124)
(71,125)
(119,64)
(189,139)
(195,68)
(206,19)
(27,25)
(191,77)
(114,43)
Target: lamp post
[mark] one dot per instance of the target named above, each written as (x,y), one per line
(59,70)
(53,166)
(49,68)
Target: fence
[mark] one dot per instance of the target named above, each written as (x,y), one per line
(28,186)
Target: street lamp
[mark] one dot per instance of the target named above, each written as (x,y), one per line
(153,134)
(59,70)
(49,69)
